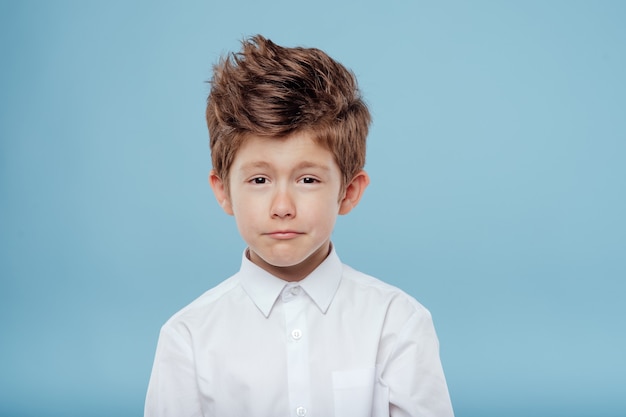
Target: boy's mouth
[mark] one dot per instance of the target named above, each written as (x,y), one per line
(284,234)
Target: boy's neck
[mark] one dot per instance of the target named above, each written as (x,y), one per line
(293,273)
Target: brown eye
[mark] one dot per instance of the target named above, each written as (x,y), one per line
(309,180)
(258,180)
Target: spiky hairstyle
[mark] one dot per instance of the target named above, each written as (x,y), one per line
(273,91)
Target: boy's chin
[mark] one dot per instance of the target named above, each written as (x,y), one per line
(278,262)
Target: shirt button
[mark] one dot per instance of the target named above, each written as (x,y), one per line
(297,335)
(301,411)
(295,291)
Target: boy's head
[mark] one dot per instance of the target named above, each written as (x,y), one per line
(272,91)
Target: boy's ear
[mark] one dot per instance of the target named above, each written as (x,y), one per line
(354,191)
(221,194)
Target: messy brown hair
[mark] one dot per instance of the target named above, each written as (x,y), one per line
(273,91)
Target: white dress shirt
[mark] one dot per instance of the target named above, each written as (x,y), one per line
(338,343)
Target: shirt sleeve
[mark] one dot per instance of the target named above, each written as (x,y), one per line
(173,389)
(413,373)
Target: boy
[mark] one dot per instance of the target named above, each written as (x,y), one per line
(294,332)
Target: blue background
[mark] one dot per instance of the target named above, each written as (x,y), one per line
(498,196)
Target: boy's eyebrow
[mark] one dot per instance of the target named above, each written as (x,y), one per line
(255,164)
(301,165)
(310,164)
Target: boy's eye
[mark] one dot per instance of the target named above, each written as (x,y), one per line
(309,180)
(258,180)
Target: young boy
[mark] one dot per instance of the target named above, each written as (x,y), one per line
(294,332)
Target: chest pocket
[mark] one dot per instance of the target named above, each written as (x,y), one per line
(354,393)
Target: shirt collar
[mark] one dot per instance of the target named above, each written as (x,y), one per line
(264,288)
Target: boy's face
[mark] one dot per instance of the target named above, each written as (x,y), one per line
(285,196)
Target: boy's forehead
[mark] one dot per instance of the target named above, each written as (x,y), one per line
(290,154)
(301,149)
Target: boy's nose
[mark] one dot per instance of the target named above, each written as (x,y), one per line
(283,205)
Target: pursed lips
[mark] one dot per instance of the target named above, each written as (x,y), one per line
(284,234)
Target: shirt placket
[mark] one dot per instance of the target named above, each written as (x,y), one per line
(297,336)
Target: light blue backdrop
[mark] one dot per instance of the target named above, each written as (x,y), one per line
(498,194)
